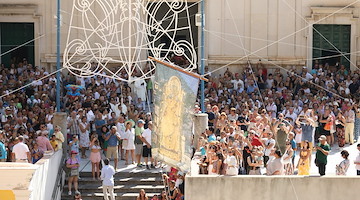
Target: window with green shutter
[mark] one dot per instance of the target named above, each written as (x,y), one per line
(12,35)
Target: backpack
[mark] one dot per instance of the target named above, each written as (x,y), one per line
(66,169)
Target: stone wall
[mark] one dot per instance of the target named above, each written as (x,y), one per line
(271,187)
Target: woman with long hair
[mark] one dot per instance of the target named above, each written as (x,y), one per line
(104,131)
(84,136)
(254,163)
(232,164)
(130,142)
(210,157)
(340,129)
(221,122)
(95,157)
(173,191)
(304,161)
(326,122)
(287,159)
(142,195)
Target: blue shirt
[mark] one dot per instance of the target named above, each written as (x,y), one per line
(3,153)
(251,89)
(212,138)
(113,141)
(99,123)
(293,146)
(203,151)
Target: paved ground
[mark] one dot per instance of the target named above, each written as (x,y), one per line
(85,166)
(333,159)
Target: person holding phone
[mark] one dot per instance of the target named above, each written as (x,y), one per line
(113,138)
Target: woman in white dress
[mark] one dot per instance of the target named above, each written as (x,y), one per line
(130,145)
(84,136)
(232,164)
(287,159)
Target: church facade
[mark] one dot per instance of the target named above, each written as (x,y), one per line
(282,33)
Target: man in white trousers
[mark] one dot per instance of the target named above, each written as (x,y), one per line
(107,176)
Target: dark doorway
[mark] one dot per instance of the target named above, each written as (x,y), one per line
(332,57)
(13,35)
(336,35)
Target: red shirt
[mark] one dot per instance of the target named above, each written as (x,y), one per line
(256,142)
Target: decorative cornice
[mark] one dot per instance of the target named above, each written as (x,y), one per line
(18,9)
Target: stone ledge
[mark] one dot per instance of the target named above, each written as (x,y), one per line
(18,9)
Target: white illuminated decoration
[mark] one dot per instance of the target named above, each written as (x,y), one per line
(125,33)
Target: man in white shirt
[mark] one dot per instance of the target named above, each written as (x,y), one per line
(269,81)
(107,176)
(146,138)
(238,84)
(233,115)
(357,161)
(291,114)
(120,125)
(271,107)
(20,152)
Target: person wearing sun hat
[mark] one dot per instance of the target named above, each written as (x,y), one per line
(74,164)
(322,151)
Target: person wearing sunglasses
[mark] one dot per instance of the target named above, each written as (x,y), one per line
(287,158)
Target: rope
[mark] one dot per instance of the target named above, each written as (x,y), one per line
(20,88)
(271,62)
(321,35)
(252,53)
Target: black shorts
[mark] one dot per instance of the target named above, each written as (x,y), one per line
(325,132)
(146,152)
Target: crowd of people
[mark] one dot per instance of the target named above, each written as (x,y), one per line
(27,131)
(106,119)
(259,121)
(256,120)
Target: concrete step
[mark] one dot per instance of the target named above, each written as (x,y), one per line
(125,180)
(118,188)
(100,196)
(124,174)
(128,182)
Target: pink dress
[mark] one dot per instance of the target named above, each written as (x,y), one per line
(95,157)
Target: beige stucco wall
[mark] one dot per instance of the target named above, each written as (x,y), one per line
(271,187)
(274,31)
(31,181)
(231,26)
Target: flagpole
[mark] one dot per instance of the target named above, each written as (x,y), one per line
(58,58)
(202,63)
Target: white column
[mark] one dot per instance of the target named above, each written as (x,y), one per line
(200,125)
(60,120)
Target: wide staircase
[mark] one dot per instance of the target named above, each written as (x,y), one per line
(128,183)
